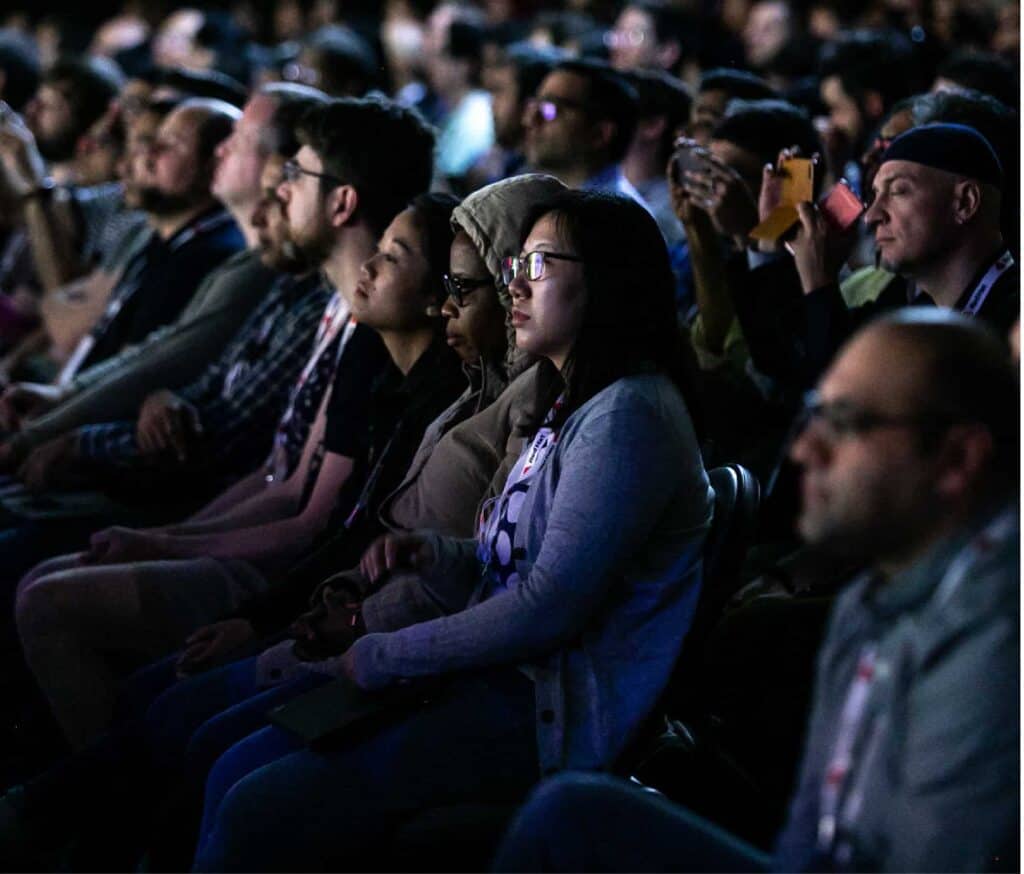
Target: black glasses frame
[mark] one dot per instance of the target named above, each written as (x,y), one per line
(291,170)
(458,287)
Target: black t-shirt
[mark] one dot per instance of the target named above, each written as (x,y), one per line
(163,279)
(348,409)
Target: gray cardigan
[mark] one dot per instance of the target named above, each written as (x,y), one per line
(611,532)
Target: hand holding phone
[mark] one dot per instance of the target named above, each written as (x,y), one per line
(688,157)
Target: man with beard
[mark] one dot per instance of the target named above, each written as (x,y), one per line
(193,234)
(203,436)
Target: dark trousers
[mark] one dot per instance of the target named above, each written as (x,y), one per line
(592,822)
(272,805)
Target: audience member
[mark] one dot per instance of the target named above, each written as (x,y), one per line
(717,87)
(193,235)
(222,555)
(663,107)
(910,457)
(367,436)
(648,35)
(511,79)
(579,127)
(454,64)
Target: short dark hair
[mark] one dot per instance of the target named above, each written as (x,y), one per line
(20,67)
(384,150)
(738,84)
(765,127)
(531,63)
(866,60)
(203,83)
(969,377)
(662,95)
(983,71)
(623,253)
(292,102)
(348,62)
(609,97)
(89,83)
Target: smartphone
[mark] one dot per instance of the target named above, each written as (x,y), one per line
(688,156)
(841,207)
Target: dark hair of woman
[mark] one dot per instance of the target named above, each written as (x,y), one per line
(629,320)
(432,216)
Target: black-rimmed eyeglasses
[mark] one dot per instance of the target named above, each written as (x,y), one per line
(843,418)
(457,287)
(291,170)
(530,264)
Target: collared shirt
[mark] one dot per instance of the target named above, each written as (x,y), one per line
(612,180)
(240,396)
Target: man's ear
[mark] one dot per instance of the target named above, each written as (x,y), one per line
(965,453)
(342,203)
(966,200)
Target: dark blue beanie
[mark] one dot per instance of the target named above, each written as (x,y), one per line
(955,148)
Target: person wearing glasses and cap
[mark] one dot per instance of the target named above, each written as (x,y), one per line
(910,454)
(579,127)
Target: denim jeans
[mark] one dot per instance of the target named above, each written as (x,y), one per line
(273,805)
(592,822)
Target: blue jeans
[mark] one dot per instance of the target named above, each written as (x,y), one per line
(592,822)
(273,805)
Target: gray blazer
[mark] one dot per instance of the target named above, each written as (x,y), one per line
(611,533)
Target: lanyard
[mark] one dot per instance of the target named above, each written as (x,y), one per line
(336,318)
(530,460)
(980,294)
(852,718)
(117,301)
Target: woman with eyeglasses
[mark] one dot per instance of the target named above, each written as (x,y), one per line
(584,576)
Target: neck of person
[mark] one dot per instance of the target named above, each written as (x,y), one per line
(407,347)
(981,504)
(168,225)
(575,175)
(242,214)
(355,244)
(643,162)
(946,279)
